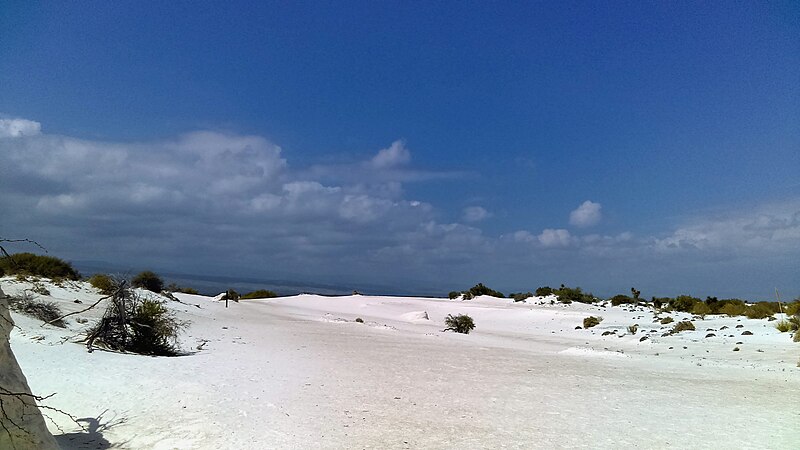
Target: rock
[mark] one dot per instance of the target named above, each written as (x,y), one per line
(740,326)
(606,333)
(643,338)
(724,327)
(747,333)
(736,349)
(710,335)
(579,327)
(21,417)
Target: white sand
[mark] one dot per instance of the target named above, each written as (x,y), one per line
(299,372)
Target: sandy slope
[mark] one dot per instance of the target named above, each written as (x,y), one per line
(298,372)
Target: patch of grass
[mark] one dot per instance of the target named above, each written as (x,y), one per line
(667,320)
(784,326)
(461,323)
(591,321)
(701,309)
(42,310)
(758,311)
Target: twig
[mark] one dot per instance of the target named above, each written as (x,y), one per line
(84,310)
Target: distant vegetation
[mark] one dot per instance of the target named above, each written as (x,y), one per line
(568,295)
(29,264)
(474,291)
(148,280)
(172,287)
(261,293)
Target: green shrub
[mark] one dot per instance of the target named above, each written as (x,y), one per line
(103,283)
(544,291)
(683,303)
(461,323)
(480,289)
(136,324)
(568,295)
(42,310)
(684,325)
(453,295)
(701,309)
(733,308)
(621,299)
(667,320)
(521,296)
(792,308)
(591,321)
(658,302)
(148,280)
(261,293)
(38,265)
(758,311)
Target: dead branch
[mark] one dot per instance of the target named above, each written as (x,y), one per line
(119,289)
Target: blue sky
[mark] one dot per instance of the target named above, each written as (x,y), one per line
(423,146)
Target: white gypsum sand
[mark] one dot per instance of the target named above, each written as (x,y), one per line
(299,372)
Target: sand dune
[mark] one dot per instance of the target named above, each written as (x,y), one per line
(300,372)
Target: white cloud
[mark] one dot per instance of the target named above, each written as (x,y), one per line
(19,128)
(475,214)
(585,215)
(396,155)
(555,238)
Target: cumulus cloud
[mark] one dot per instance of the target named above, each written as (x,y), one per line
(475,214)
(585,215)
(396,155)
(555,238)
(11,128)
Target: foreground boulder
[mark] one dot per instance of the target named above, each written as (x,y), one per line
(22,426)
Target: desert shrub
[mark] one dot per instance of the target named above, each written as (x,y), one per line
(784,326)
(172,287)
(683,303)
(148,280)
(732,307)
(38,309)
(40,289)
(467,295)
(359,320)
(38,265)
(792,308)
(591,321)
(758,311)
(453,295)
(684,325)
(632,329)
(568,295)
(480,289)
(261,293)
(521,296)
(667,320)
(135,324)
(621,299)
(461,323)
(544,291)
(104,283)
(701,309)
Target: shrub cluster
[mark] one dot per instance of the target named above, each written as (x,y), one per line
(261,293)
(474,291)
(461,323)
(38,265)
(568,295)
(172,287)
(521,296)
(684,325)
(544,291)
(148,280)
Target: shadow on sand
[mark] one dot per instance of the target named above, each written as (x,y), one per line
(92,435)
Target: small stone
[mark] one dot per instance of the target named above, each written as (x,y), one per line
(643,338)
(740,326)
(579,327)
(736,349)
(709,335)
(747,333)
